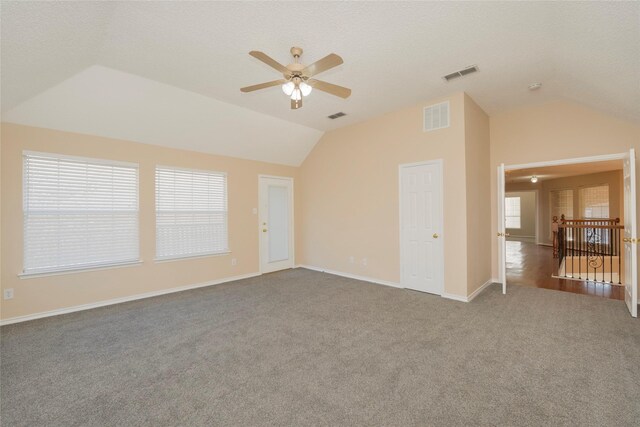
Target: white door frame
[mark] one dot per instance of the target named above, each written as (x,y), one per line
(561,162)
(630,237)
(291,223)
(440,163)
(502,229)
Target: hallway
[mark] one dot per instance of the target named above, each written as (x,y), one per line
(529,264)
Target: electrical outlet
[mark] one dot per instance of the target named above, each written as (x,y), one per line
(364,261)
(234,261)
(8,293)
(352,259)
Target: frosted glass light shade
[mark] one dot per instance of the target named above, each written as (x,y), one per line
(296,95)
(305,89)
(288,87)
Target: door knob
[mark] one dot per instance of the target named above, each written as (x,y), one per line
(507,235)
(435,235)
(264,230)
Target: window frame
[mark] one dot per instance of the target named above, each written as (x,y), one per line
(24,274)
(223,252)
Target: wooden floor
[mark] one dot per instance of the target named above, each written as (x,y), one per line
(531,265)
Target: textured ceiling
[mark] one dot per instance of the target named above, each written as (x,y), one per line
(395,53)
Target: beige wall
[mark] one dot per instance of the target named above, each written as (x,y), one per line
(350,203)
(558,130)
(527,213)
(478,179)
(40,294)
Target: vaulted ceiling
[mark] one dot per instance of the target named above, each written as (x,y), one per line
(169,73)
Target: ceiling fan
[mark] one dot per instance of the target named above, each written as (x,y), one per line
(297,82)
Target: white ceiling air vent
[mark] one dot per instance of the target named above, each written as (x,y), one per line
(436,116)
(336,115)
(461,73)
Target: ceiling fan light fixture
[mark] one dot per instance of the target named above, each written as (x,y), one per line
(305,89)
(288,88)
(294,77)
(534,179)
(296,95)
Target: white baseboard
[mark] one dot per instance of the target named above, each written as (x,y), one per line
(473,294)
(481,288)
(397,285)
(351,276)
(82,307)
(454,297)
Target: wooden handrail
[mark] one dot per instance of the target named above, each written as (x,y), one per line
(605,220)
(609,227)
(564,220)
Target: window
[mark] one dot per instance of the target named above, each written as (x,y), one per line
(594,202)
(78,213)
(191,213)
(561,203)
(512,212)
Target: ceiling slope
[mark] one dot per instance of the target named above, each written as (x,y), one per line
(105,102)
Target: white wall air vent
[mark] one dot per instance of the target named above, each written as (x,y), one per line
(461,73)
(436,116)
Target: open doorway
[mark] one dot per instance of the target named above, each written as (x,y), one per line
(580,209)
(584,229)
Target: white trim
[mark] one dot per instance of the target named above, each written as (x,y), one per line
(440,163)
(79,269)
(351,276)
(397,285)
(89,306)
(562,162)
(472,295)
(292,238)
(480,289)
(454,297)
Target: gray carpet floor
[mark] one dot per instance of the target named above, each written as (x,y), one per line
(305,348)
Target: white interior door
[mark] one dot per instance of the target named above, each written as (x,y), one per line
(502,239)
(630,235)
(276,223)
(421,236)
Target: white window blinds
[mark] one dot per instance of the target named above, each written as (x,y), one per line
(191,213)
(78,213)
(594,201)
(561,203)
(512,212)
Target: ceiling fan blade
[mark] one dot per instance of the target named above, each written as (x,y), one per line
(296,104)
(329,61)
(336,90)
(270,61)
(262,85)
